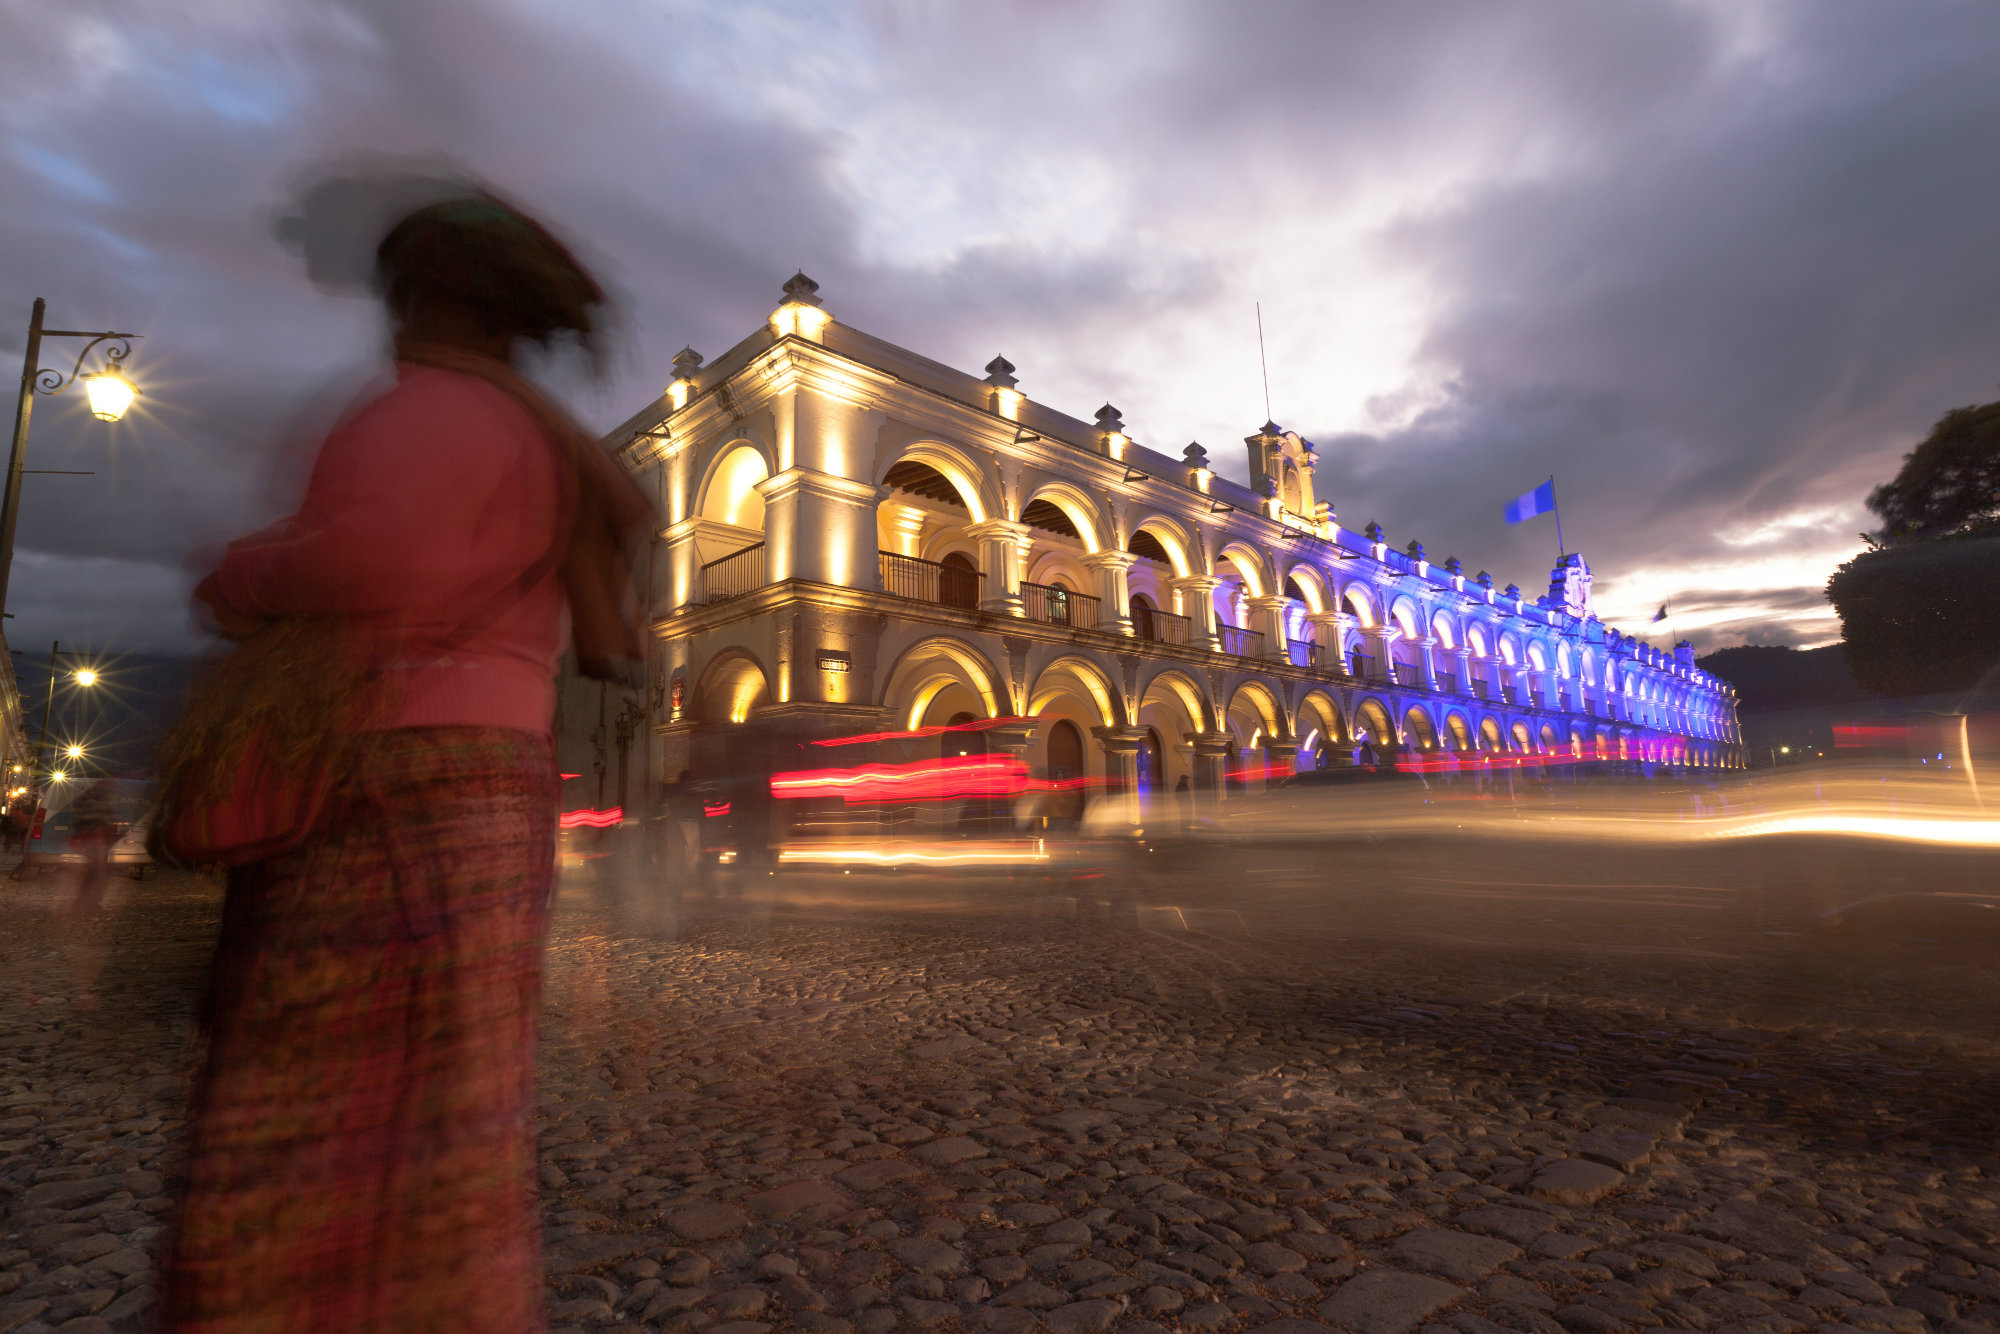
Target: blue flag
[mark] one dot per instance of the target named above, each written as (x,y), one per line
(1541,500)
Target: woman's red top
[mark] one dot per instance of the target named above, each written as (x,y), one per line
(426,507)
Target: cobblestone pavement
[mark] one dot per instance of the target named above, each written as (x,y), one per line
(1368,1089)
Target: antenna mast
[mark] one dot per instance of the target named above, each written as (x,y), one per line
(1263,362)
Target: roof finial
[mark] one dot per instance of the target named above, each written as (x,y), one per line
(802,289)
(1000,373)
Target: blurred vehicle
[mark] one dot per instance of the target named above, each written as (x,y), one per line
(131,800)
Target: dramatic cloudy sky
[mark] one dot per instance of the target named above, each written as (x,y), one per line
(1714,265)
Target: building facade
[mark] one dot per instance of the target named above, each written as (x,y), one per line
(858,539)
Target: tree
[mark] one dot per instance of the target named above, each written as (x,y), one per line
(1922,616)
(1949,481)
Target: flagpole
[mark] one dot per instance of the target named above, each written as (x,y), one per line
(1562,552)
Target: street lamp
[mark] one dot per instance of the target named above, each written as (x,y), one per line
(82,676)
(109,391)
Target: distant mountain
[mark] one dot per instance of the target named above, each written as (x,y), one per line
(1769,678)
(120,720)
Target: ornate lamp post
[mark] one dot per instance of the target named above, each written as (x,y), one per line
(110,394)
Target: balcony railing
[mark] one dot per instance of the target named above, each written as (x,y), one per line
(1448,682)
(1408,674)
(1239,642)
(1056,605)
(1363,666)
(1481,688)
(1507,693)
(734,575)
(1161,627)
(929,581)
(1302,652)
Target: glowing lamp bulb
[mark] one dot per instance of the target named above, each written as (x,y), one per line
(74,752)
(86,677)
(110,394)
(59,775)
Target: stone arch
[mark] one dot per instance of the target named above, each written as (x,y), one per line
(1359,598)
(1185,692)
(728,492)
(1458,731)
(931,666)
(1311,583)
(1521,740)
(1444,628)
(1079,508)
(1510,648)
(1173,539)
(1263,707)
(1538,657)
(1371,723)
(1419,732)
(1072,674)
(1407,616)
(1250,566)
(969,477)
(1563,663)
(1548,739)
(1477,639)
(1320,710)
(1490,738)
(1060,563)
(732,687)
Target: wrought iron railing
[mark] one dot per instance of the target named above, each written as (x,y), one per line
(1302,652)
(1408,674)
(1507,693)
(1239,642)
(1329,659)
(734,575)
(1481,688)
(1363,666)
(1448,682)
(1057,605)
(1161,627)
(929,581)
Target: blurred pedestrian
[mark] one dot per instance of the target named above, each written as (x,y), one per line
(361,1152)
(93,828)
(1184,800)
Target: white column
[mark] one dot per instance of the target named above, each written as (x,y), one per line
(821,528)
(1114,589)
(1196,594)
(1330,634)
(1267,617)
(1427,656)
(1002,543)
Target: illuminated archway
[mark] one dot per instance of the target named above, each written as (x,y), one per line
(1458,731)
(1417,724)
(1372,726)
(729,493)
(1077,507)
(966,476)
(928,672)
(1078,677)
(732,688)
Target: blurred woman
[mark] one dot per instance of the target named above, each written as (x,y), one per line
(362,1149)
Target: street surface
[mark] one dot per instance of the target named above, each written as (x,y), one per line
(1441,1085)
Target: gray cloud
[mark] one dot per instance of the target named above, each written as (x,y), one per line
(1715,265)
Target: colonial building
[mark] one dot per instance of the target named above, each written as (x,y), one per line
(859,539)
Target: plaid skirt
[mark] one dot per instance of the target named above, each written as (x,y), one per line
(362,1148)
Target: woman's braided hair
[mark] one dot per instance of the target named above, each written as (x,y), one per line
(504,267)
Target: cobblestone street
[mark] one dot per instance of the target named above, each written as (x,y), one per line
(1373,1090)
